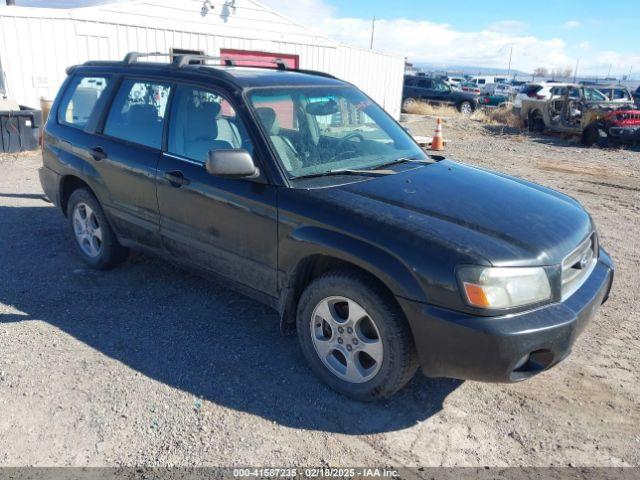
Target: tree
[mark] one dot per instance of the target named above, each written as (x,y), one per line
(540,72)
(561,72)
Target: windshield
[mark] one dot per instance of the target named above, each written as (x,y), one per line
(319,129)
(593,95)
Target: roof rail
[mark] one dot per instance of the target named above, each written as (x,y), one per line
(132,57)
(182,60)
(278,62)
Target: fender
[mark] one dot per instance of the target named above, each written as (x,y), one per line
(74,161)
(308,241)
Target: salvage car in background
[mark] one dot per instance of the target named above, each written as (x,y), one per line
(470,88)
(583,111)
(436,90)
(538,91)
(498,89)
(496,100)
(616,93)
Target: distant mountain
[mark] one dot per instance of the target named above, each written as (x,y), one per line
(468,69)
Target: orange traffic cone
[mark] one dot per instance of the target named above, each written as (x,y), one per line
(438,142)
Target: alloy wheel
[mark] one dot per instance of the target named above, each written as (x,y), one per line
(466,109)
(87,229)
(346,339)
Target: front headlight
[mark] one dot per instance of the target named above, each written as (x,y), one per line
(504,287)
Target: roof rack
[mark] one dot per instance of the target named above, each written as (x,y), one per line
(278,62)
(132,57)
(182,60)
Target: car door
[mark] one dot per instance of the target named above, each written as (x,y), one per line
(227,226)
(127,153)
(425,90)
(441,92)
(410,89)
(71,127)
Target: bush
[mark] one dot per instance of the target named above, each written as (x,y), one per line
(422,108)
(500,116)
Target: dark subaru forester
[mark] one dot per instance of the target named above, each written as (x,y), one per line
(299,190)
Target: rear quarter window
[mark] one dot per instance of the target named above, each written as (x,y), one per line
(80,99)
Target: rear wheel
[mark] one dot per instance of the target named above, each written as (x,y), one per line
(535,122)
(465,108)
(355,337)
(95,240)
(408,103)
(591,135)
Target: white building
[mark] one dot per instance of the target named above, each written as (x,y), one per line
(37,44)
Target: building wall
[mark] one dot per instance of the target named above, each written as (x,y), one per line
(36,45)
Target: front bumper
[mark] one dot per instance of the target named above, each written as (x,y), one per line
(508,348)
(625,133)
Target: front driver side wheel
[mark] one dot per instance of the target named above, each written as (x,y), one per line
(355,337)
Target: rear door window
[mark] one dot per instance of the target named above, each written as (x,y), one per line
(80,99)
(138,111)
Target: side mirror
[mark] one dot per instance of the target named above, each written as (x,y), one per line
(231,164)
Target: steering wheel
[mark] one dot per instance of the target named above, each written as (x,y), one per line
(348,137)
(340,150)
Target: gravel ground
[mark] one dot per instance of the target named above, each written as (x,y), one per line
(150,365)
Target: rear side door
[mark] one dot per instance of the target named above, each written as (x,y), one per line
(425,90)
(69,135)
(410,88)
(441,92)
(224,225)
(127,153)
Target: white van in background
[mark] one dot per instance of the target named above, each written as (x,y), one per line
(482,80)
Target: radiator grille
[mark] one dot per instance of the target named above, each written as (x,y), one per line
(578,265)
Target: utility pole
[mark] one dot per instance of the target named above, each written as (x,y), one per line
(575,72)
(373,29)
(510,56)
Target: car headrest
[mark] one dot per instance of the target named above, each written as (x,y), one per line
(201,121)
(143,114)
(268,118)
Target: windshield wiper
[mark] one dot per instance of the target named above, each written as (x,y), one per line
(347,171)
(405,159)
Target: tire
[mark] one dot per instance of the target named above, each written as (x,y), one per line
(408,102)
(465,108)
(93,237)
(382,331)
(591,135)
(535,122)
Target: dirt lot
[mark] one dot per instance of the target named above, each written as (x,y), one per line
(150,365)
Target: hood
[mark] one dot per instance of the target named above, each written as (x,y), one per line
(505,220)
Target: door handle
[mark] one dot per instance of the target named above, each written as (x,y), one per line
(98,154)
(176,178)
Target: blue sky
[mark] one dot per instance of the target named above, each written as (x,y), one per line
(542,33)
